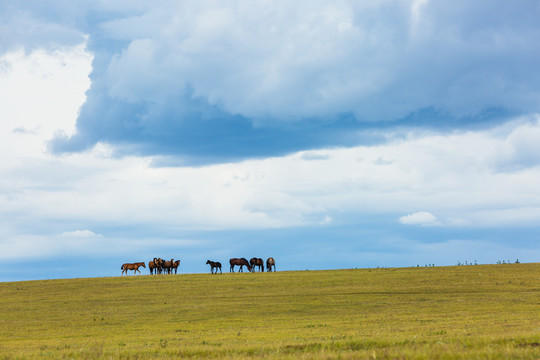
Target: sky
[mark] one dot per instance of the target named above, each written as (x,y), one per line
(326,134)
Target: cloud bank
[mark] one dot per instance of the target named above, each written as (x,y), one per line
(216,81)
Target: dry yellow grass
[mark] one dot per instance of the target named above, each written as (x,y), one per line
(462,312)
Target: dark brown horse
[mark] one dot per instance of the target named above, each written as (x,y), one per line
(159,265)
(239,262)
(175,266)
(269,263)
(214,265)
(257,262)
(155,266)
(133,266)
(167,266)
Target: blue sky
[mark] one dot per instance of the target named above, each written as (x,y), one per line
(325,134)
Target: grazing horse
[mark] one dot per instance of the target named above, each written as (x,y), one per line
(240,262)
(257,262)
(269,263)
(214,265)
(175,266)
(134,266)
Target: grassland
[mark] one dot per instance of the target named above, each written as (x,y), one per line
(462,312)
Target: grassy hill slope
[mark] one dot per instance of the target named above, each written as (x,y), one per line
(463,312)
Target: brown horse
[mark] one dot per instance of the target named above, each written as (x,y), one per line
(133,266)
(153,265)
(159,265)
(269,263)
(167,266)
(257,262)
(239,262)
(175,266)
(214,265)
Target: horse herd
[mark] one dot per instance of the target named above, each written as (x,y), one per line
(241,262)
(160,266)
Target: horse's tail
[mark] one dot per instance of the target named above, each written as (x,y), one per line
(122,267)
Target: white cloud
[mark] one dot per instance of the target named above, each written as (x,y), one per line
(78,234)
(41,94)
(455,176)
(519,147)
(423,218)
(288,60)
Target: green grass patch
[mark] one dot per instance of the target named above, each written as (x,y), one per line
(461,312)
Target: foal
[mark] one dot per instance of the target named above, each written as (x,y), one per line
(214,264)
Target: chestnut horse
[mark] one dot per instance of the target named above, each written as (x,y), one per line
(240,262)
(134,266)
(269,263)
(214,265)
(153,265)
(257,262)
